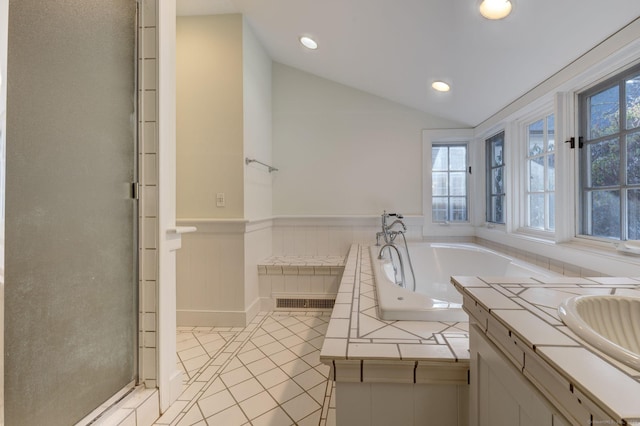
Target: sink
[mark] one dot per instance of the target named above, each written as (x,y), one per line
(610,323)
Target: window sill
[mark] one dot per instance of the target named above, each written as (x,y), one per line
(603,248)
(537,234)
(588,255)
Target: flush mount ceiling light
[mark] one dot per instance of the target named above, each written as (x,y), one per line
(308,42)
(495,9)
(440,86)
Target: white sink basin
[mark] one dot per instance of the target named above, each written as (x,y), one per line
(610,323)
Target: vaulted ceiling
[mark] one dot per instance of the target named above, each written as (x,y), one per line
(395,49)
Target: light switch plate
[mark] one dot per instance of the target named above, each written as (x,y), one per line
(220,199)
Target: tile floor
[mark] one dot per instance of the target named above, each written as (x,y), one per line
(268,373)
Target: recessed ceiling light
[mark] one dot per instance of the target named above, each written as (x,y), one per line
(495,9)
(308,42)
(440,86)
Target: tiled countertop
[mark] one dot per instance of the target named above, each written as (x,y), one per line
(520,316)
(360,347)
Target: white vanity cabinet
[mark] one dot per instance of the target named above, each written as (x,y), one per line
(500,394)
(527,368)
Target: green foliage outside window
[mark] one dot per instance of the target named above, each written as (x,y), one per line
(611,159)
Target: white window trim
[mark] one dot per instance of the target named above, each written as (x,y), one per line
(617,53)
(521,172)
(448,136)
(599,74)
(481,194)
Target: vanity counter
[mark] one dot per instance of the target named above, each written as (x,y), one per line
(519,316)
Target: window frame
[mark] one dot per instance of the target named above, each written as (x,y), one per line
(454,136)
(448,170)
(489,168)
(549,216)
(584,188)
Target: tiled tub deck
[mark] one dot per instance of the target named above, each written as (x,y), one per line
(392,372)
(412,372)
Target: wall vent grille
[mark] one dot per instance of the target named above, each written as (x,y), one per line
(305,303)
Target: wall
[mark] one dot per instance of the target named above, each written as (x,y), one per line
(210,116)
(256,72)
(169,237)
(224,115)
(341,151)
(258,182)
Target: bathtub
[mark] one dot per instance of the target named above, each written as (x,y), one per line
(435,298)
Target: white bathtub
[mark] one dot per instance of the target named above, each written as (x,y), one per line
(435,298)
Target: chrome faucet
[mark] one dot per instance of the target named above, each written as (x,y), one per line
(387,233)
(398,222)
(402,281)
(389,237)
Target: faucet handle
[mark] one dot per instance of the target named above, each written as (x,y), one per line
(398,215)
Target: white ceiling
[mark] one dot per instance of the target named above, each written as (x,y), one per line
(396,48)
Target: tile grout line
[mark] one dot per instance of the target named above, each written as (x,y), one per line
(216,375)
(211,358)
(216,355)
(305,391)
(193,401)
(324,405)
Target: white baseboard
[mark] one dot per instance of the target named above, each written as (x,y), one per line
(253,310)
(206,318)
(192,318)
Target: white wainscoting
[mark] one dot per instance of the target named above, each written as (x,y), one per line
(217,272)
(216,283)
(331,235)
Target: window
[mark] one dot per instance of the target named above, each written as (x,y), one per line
(540,191)
(496,205)
(449,202)
(610,158)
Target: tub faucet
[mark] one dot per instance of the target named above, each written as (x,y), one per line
(398,222)
(387,233)
(389,246)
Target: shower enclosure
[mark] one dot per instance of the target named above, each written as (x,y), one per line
(71,252)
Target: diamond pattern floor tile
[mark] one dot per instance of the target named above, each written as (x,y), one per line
(301,406)
(232,416)
(258,405)
(277,416)
(268,373)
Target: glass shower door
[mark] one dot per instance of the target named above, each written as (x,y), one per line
(71,268)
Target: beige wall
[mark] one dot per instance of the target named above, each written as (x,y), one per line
(209,67)
(224,115)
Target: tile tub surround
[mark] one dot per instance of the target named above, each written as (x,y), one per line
(304,266)
(520,317)
(373,357)
(296,277)
(293,265)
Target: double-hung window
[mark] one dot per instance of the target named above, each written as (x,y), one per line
(540,189)
(610,158)
(496,195)
(449,195)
